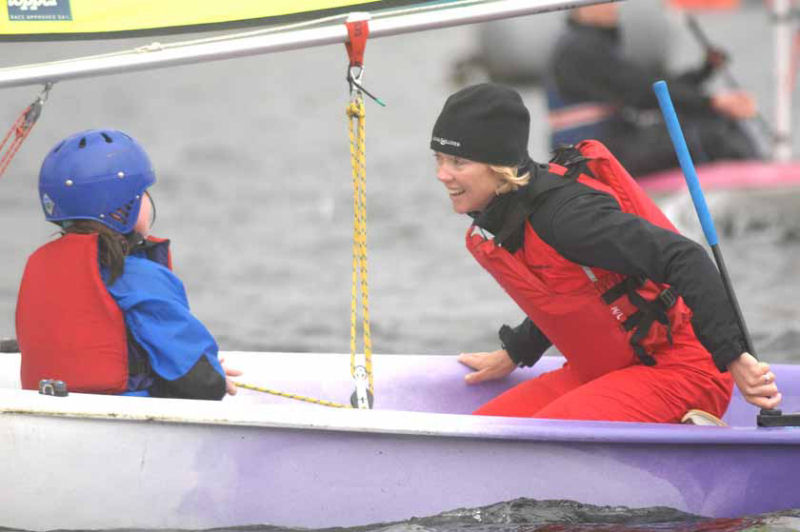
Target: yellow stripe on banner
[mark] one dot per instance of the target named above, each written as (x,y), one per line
(41,17)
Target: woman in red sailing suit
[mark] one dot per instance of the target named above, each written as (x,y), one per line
(638,311)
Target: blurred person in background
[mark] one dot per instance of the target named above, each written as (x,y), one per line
(595,92)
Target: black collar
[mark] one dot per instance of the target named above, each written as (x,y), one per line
(506,214)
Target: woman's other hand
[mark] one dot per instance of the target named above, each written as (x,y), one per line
(734,104)
(230,386)
(755,380)
(487,365)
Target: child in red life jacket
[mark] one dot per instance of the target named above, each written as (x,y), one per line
(638,311)
(99,308)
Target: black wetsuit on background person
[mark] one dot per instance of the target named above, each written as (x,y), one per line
(588,68)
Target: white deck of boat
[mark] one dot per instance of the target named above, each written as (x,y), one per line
(415,394)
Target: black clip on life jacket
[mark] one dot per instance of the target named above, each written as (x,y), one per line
(648,312)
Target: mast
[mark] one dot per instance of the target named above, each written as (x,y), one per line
(783,80)
(161,56)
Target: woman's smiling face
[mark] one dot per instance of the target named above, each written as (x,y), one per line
(471,185)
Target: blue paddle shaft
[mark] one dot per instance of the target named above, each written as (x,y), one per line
(685,160)
(689,173)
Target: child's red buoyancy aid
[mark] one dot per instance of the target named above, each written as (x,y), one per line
(68,326)
(589,313)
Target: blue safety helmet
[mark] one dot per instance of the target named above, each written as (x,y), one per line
(98,174)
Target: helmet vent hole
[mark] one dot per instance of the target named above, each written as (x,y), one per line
(107,138)
(82,143)
(122,214)
(58,147)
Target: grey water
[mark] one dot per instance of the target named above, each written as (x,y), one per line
(254,189)
(529,515)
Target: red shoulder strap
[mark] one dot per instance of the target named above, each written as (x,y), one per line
(609,171)
(557,169)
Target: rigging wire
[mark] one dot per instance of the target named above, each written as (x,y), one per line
(21,128)
(360,365)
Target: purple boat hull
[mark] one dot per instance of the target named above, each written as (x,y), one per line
(259,459)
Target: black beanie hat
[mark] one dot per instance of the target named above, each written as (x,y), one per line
(487,123)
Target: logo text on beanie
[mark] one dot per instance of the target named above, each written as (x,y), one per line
(446,142)
(39,10)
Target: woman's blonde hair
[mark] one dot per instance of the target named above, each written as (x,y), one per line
(510,181)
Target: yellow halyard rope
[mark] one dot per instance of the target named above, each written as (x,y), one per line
(357,132)
(356,127)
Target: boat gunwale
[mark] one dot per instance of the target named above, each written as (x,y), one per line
(385,422)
